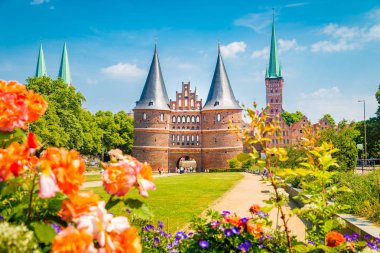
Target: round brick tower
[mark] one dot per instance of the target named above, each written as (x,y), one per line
(220,141)
(151,120)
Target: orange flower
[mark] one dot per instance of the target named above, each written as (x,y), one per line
(144,180)
(118,179)
(13,160)
(233,219)
(78,204)
(255,208)
(333,239)
(127,241)
(71,240)
(256,229)
(18,106)
(32,140)
(67,166)
(36,106)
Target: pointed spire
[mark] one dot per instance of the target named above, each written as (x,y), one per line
(266,73)
(274,65)
(220,95)
(154,95)
(41,67)
(64,69)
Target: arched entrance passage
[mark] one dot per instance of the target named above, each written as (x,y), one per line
(187,164)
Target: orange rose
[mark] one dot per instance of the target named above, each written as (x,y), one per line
(36,106)
(78,204)
(233,219)
(118,179)
(127,241)
(256,229)
(67,166)
(255,208)
(13,160)
(333,239)
(72,240)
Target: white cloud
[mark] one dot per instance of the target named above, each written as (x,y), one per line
(332,100)
(283,46)
(346,38)
(124,70)
(262,53)
(37,2)
(231,50)
(255,21)
(296,4)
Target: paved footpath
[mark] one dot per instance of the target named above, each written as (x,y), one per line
(251,190)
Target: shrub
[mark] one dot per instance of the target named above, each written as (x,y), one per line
(364,197)
(233,163)
(226,170)
(16,238)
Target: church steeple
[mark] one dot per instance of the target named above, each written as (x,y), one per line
(274,65)
(154,95)
(220,95)
(64,69)
(41,67)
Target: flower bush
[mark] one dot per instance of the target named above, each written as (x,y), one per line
(40,188)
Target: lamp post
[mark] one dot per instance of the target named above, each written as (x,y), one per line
(365,132)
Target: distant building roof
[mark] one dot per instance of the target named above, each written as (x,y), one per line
(41,67)
(64,69)
(154,95)
(220,95)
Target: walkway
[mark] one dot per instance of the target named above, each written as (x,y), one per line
(251,190)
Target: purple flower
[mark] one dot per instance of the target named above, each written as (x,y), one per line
(311,242)
(269,236)
(372,245)
(1,217)
(169,246)
(56,227)
(191,234)
(204,244)
(169,235)
(225,212)
(244,247)
(174,251)
(262,214)
(162,233)
(127,210)
(377,240)
(160,224)
(215,223)
(244,220)
(180,235)
(367,237)
(235,230)
(228,232)
(149,227)
(157,240)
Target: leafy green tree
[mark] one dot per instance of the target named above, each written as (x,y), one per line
(329,119)
(343,138)
(291,117)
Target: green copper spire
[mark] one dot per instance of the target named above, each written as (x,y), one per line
(41,67)
(64,69)
(274,65)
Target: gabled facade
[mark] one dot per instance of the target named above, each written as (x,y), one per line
(167,131)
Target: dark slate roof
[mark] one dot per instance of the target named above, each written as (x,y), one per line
(154,95)
(220,95)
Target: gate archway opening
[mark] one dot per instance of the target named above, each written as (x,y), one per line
(187,164)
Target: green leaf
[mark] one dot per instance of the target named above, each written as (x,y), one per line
(139,209)
(243,156)
(44,232)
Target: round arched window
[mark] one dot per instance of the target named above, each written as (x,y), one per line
(144,116)
(173,119)
(179,119)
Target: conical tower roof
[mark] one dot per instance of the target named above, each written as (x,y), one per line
(64,69)
(274,64)
(220,95)
(41,67)
(154,95)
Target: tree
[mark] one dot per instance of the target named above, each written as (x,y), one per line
(329,119)
(291,117)
(343,138)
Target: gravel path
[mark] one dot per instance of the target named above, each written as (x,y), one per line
(251,190)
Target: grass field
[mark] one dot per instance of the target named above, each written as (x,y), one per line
(93,177)
(178,198)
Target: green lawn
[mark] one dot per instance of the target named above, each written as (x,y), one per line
(178,198)
(93,177)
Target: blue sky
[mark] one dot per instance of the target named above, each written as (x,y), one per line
(329,50)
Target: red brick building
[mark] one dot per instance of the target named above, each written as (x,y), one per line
(166,131)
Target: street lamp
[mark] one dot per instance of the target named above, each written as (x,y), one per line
(365,132)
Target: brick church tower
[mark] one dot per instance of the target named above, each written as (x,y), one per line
(274,81)
(221,108)
(151,119)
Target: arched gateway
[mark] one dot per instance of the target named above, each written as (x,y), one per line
(166,130)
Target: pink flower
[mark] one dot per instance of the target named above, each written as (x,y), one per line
(48,185)
(145,185)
